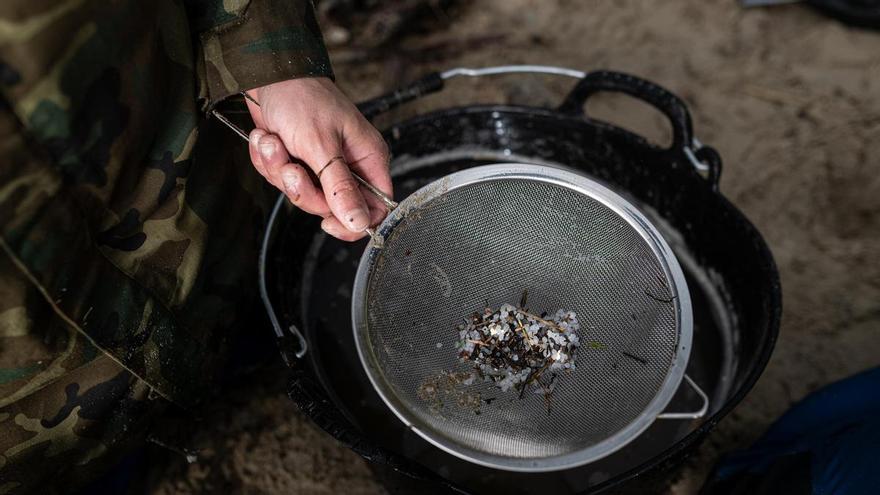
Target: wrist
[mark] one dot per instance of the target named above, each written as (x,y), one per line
(262,91)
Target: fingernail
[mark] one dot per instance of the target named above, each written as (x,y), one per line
(357,220)
(291,186)
(256,135)
(266,149)
(328,229)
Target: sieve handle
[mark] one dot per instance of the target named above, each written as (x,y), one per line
(699,413)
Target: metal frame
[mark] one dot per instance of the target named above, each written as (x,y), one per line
(583,185)
(699,413)
(512,69)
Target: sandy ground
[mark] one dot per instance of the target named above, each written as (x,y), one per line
(789,98)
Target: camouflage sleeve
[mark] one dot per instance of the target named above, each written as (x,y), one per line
(251,43)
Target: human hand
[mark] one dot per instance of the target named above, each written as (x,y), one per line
(310,119)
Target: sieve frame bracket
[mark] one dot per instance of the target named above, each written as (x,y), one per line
(699,413)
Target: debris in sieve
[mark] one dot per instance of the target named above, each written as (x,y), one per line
(376,240)
(513,348)
(446,388)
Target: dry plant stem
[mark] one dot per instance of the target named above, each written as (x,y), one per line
(535,375)
(539,372)
(522,390)
(523,329)
(502,348)
(542,320)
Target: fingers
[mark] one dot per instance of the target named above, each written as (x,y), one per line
(319,148)
(301,191)
(271,160)
(333,227)
(344,197)
(368,155)
(316,123)
(254,150)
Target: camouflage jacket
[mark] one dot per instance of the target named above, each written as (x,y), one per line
(138,234)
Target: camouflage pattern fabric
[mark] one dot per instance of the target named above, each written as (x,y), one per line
(128,227)
(65,404)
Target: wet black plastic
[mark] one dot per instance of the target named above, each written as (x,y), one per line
(861,13)
(721,239)
(381,104)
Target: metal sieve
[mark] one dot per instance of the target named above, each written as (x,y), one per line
(483,236)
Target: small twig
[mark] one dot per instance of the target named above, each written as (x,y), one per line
(482,323)
(641,360)
(537,375)
(523,328)
(548,398)
(660,299)
(526,383)
(524,299)
(542,320)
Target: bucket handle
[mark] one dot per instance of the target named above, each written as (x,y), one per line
(657,96)
(699,413)
(705,160)
(290,341)
(435,81)
(290,350)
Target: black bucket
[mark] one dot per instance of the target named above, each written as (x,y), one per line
(731,275)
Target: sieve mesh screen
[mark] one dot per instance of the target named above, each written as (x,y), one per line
(482,244)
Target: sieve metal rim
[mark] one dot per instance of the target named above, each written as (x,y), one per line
(581,184)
